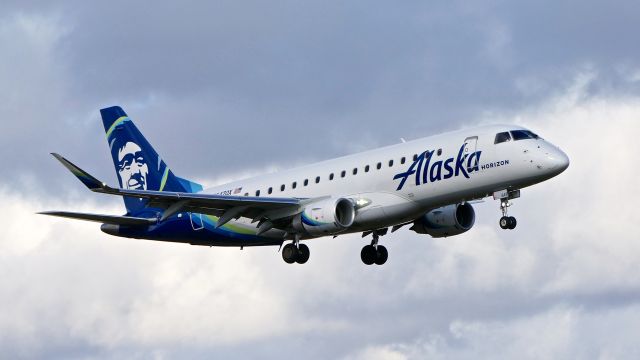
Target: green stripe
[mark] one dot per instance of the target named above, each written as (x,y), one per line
(165,176)
(120,120)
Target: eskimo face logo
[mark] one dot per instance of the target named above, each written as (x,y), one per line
(132,167)
(426,172)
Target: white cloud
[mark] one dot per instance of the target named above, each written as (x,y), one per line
(566,274)
(593,208)
(67,282)
(378,353)
(13,241)
(559,333)
(561,285)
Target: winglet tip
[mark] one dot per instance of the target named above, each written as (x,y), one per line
(86,178)
(59,157)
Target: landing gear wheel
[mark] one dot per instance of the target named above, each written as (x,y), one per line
(382,255)
(368,255)
(505,222)
(303,254)
(289,253)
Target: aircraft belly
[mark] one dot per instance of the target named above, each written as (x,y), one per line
(183,230)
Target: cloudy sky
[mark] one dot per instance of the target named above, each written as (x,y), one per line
(229,89)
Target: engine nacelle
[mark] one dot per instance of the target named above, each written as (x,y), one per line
(326,217)
(446,221)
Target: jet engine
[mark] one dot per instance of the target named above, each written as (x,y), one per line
(325,217)
(446,221)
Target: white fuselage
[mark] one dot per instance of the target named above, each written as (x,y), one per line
(373,178)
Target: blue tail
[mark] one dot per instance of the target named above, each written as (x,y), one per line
(137,164)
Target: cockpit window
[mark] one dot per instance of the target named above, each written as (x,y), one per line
(523,134)
(502,137)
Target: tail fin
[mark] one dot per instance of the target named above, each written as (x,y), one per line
(137,164)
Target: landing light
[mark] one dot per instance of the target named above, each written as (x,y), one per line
(360,203)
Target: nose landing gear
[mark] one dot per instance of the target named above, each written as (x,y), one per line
(506,221)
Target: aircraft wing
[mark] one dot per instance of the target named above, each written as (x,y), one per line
(227,207)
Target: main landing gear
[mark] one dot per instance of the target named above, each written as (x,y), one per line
(507,222)
(374,253)
(295,252)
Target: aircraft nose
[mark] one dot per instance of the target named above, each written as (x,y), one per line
(558,161)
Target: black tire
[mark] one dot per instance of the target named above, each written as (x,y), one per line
(504,222)
(303,254)
(368,255)
(383,255)
(512,222)
(289,253)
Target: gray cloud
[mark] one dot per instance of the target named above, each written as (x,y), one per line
(534,291)
(252,87)
(318,76)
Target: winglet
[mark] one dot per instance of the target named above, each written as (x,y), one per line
(88,180)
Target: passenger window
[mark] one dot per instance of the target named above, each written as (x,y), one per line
(343,173)
(390,163)
(331,176)
(415,157)
(293,186)
(355,171)
(502,137)
(282,187)
(257,193)
(306,182)
(403,160)
(366,168)
(379,166)
(270,190)
(317,179)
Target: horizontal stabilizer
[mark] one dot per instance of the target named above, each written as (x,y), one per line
(105,219)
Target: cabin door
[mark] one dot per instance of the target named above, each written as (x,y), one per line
(470,145)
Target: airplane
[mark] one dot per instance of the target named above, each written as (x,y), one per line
(428,184)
